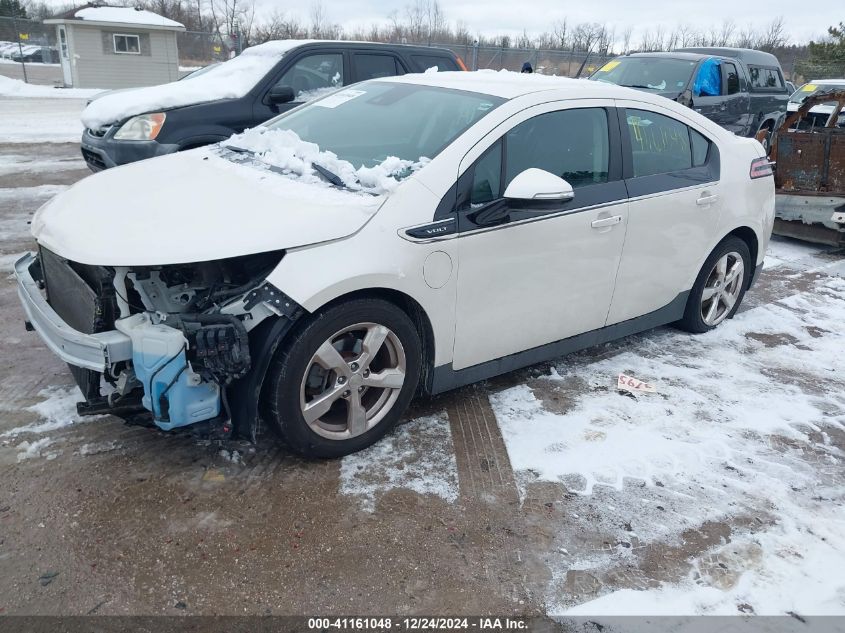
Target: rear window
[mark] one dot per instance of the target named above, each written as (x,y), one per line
(765,78)
(429,61)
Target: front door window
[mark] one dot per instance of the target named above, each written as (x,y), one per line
(314,75)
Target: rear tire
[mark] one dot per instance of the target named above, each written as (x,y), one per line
(719,288)
(344,378)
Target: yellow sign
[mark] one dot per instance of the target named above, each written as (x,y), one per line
(217,49)
(23,36)
(809,88)
(609,66)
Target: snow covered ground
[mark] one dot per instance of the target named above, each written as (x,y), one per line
(737,427)
(40,114)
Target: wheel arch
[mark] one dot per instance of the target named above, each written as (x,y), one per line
(749,236)
(415,312)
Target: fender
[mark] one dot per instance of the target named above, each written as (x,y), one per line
(243,395)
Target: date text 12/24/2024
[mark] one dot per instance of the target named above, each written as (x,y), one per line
(418,624)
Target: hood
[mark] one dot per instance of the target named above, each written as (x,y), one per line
(191,207)
(232,79)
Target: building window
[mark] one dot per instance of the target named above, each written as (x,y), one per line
(127,44)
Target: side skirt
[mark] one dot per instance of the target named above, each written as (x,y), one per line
(446,378)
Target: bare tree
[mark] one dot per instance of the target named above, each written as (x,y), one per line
(317,13)
(773,36)
(626,39)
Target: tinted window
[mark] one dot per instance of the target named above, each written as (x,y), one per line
(572,144)
(313,74)
(732,77)
(700,148)
(765,78)
(487,177)
(374,66)
(659,144)
(428,61)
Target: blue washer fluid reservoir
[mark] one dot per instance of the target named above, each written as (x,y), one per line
(158,357)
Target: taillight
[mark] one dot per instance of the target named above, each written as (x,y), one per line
(760,168)
(461,63)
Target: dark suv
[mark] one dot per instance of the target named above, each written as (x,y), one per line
(293,72)
(742,90)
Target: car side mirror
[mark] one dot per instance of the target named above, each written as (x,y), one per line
(538,184)
(685,98)
(281,94)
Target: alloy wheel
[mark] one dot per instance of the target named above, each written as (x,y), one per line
(352,381)
(722,288)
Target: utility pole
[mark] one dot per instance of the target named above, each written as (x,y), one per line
(20,46)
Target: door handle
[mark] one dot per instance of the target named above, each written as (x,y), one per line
(706,200)
(603,222)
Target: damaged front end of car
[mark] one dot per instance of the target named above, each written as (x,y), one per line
(175,345)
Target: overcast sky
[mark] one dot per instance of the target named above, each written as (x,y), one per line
(510,17)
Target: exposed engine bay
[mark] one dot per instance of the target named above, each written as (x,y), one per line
(189,328)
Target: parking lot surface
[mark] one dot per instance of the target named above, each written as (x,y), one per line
(544,491)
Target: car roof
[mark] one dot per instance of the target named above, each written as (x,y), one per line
(747,55)
(670,55)
(509,85)
(827,82)
(283,46)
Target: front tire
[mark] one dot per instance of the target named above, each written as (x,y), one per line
(719,288)
(344,379)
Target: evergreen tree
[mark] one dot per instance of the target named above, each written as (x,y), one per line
(12,9)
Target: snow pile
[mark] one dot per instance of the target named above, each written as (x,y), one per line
(737,429)
(418,456)
(232,456)
(125,15)
(16,88)
(41,120)
(284,150)
(28,450)
(230,80)
(58,411)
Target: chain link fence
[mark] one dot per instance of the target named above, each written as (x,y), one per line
(572,63)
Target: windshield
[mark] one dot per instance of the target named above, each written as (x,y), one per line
(810,89)
(373,121)
(366,138)
(199,71)
(648,73)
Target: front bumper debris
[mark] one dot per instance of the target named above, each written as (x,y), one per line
(97,352)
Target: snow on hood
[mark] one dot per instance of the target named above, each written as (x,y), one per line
(284,150)
(194,206)
(230,80)
(125,15)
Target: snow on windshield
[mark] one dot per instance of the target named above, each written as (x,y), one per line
(230,80)
(284,150)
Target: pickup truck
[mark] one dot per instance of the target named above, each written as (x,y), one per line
(810,171)
(742,90)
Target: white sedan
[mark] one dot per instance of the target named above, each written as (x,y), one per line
(404,236)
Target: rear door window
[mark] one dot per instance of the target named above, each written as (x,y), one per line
(659,144)
(424,62)
(374,66)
